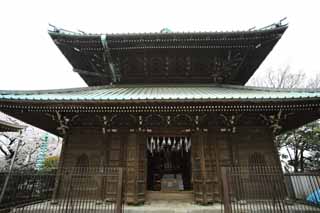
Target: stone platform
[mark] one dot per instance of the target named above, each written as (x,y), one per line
(171,202)
(173,207)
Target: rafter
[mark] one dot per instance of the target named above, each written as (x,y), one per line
(85,72)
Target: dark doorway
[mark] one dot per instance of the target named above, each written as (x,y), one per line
(169,163)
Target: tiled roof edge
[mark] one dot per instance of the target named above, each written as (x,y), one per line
(81,34)
(92,88)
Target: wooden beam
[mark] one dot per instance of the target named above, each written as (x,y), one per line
(119,191)
(85,72)
(108,60)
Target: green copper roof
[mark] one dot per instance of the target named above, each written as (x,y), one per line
(160,92)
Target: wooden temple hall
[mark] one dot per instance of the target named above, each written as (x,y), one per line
(169,108)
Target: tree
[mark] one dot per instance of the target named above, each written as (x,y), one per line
(299,148)
(302,145)
(314,83)
(29,146)
(51,162)
(280,78)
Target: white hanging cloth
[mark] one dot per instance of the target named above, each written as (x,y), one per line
(186,143)
(189,144)
(158,144)
(152,145)
(148,145)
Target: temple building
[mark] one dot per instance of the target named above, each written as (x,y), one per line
(6,126)
(171,108)
(6,151)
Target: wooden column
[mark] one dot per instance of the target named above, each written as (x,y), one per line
(202,180)
(136,169)
(60,167)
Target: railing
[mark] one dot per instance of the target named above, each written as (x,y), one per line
(303,187)
(66,190)
(267,189)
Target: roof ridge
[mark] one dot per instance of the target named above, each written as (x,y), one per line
(271,89)
(81,34)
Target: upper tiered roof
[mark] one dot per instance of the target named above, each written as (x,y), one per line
(207,57)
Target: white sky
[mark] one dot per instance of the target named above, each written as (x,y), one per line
(30,60)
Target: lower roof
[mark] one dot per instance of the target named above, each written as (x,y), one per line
(9,127)
(150,93)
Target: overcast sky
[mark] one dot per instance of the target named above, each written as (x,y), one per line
(30,60)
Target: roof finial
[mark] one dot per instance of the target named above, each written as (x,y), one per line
(165,30)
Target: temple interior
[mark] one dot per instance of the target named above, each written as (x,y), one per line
(169,163)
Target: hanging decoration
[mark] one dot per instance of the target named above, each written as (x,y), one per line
(159,144)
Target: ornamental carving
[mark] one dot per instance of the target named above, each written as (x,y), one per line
(182,120)
(230,122)
(63,121)
(274,121)
(124,120)
(154,120)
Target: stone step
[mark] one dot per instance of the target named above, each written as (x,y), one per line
(181,196)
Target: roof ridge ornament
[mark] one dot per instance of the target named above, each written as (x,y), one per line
(165,30)
(274,25)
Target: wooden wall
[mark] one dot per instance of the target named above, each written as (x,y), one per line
(215,149)
(211,150)
(116,149)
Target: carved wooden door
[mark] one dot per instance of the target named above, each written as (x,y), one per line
(205,168)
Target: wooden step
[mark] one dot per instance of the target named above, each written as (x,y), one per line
(181,196)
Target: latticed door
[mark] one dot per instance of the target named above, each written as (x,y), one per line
(115,159)
(205,165)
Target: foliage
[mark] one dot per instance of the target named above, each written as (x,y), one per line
(302,146)
(51,162)
(299,148)
(280,78)
(29,147)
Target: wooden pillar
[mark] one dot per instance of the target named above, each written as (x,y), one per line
(60,167)
(201,179)
(226,194)
(136,169)
(202,141)
(119,192)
